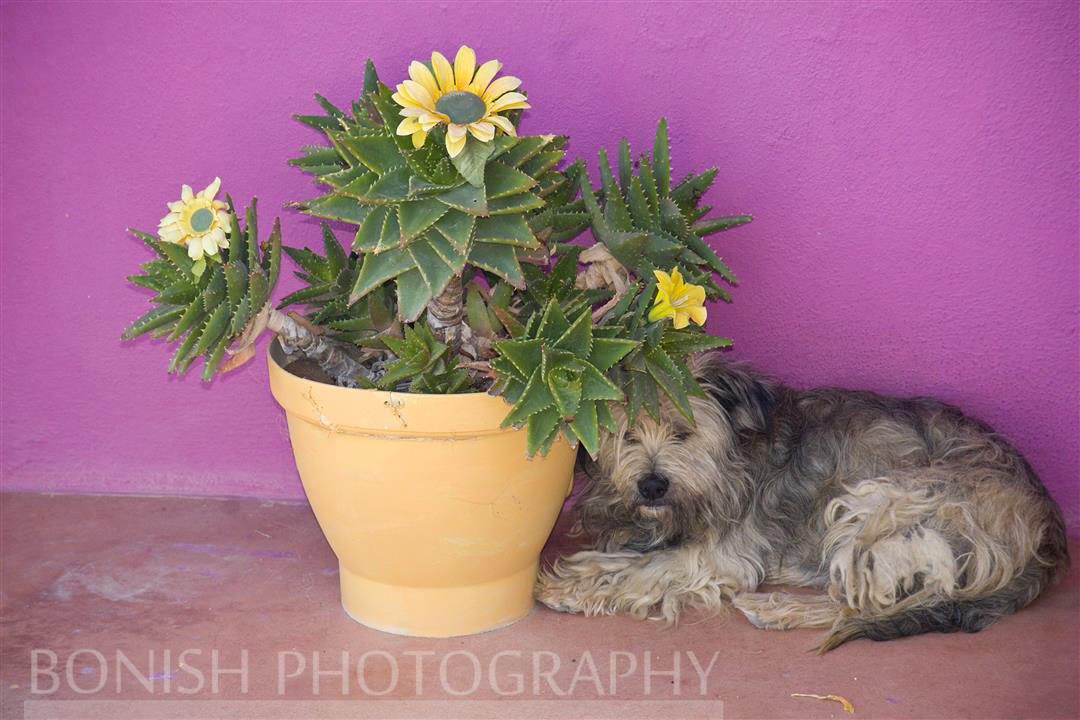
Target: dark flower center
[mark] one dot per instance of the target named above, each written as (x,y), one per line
(201,220)
(461,107)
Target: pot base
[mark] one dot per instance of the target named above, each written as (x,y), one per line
(438,612)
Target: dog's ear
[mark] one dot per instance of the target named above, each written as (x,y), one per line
(748,399)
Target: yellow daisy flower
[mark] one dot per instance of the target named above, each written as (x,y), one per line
(675,299)
(198,221)
(464,97)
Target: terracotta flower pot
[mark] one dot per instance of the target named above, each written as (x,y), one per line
(434,512)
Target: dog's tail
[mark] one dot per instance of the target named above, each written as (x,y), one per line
(951,615)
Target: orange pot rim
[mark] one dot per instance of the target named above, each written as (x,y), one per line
(378,412)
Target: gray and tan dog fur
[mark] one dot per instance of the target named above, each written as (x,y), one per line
(906,515)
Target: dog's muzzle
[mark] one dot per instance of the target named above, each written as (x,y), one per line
(652,488)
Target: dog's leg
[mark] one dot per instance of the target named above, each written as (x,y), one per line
(783,611)
(907,557)
(664,581)
(880,551)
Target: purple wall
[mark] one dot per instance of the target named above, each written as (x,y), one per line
(912,167)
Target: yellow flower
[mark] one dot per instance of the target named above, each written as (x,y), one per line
(675,299)
(464,97)
(198,221)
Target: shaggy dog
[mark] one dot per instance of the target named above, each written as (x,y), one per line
(905,515)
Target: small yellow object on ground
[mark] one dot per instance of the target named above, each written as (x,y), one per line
(848,707)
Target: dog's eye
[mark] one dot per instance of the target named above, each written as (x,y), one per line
(681,435)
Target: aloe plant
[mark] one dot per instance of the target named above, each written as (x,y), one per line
(647,222)
(423,218)
(328,280)
(424,362)
(554,376)
(568,375)
(460,274)
(205,313)
(657,365)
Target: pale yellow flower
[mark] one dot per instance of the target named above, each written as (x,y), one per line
(465,98)
(198,221)
(678,300)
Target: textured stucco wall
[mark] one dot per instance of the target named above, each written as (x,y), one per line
(912,168)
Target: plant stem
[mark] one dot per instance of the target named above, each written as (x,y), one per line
(446,313)
(331,355)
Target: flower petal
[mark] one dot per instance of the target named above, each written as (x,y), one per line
(663,278)
(453,149)
(171,234)
(194,248)
(403,98)
(408,126)
(419,138)
(484,75)
(420,94)
(210,191)
(697,314)
(503,124)
(680,321)
(185,194)
(455,139)
(443,72)
(503,85)
(509,101)
(429,120)
(660,312)
(482,131)
(695,295)
(419,72)
(464,66)
(218,236)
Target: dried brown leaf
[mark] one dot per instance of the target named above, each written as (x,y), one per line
(238,358)
(251,331)
(848,707)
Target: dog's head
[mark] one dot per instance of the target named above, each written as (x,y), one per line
(666,478)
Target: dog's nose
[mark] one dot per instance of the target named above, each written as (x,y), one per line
(653,487)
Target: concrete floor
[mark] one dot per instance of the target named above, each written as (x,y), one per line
(143,576)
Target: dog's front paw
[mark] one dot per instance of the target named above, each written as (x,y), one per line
(557,593)
(592,583)
(755,619)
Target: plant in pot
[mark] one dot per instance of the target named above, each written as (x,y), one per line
(444,371)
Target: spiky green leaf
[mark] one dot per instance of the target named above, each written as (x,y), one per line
(153,318)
